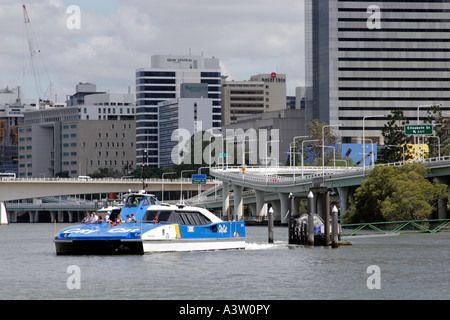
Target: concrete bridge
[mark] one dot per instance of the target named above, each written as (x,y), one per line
(30,188)
(260,186)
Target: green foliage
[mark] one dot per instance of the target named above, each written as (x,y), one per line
(394,137)
(313,149)
(396,194)
(441,127)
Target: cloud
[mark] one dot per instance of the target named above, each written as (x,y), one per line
(249,37)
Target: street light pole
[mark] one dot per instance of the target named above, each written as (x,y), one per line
(323,145)
(302,150)
(181,195)
(293,154)
(162,186)
(364,138)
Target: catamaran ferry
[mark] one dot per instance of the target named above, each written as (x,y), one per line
(156,227)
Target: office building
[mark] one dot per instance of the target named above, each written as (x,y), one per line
(12,108)
(367,58)
(162,82)
(263,93)
(81,91)
(188,114)
(108,106)
(287,123)
(55,141)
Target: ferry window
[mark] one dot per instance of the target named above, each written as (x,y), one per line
(163,216)
(193,219)
(133,201)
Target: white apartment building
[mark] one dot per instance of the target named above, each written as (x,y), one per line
(161,82)
(263,93)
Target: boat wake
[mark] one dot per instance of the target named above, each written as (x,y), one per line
(266,246)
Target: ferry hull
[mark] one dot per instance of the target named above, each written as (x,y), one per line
(98,247)
(119,247)
(193,245)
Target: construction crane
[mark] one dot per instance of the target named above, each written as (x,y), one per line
(33,53)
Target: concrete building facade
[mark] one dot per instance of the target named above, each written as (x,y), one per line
(288,123)
(263,93)
(108,106)
(55,141)
(367,58)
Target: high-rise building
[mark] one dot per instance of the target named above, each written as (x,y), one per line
(161,82)
(55,141)
(108,106)
(263,93)
(367,58)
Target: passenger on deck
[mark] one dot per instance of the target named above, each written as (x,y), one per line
(128,219)
(156,220)
(87,218)
(100,220)
(118,220)
(94,217)
(133,218)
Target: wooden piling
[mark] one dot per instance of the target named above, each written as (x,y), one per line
(326,206)
(270,224)
(335,227)
(310,219)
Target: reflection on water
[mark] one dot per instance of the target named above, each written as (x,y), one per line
(412,267)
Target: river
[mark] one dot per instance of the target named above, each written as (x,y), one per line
(406,267)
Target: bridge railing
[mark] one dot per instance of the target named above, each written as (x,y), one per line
(393,227)
(149,180)
(270,176)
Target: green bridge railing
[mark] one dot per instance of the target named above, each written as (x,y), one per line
(426,226)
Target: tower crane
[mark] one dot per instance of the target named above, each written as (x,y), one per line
(33,54)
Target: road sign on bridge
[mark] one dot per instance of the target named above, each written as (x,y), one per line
(419,129)
(199,179)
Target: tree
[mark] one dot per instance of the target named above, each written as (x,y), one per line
(313,150)
(441,140)
(106,173)
(396,194)
(395,137)
(370,195)
(414,197)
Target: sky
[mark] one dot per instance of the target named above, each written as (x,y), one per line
(116,37)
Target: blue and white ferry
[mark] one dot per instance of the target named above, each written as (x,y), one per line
(159,227)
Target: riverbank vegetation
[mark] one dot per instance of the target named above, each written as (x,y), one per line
(396,194)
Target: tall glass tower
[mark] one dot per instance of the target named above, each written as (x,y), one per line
(161,82)
(367,58)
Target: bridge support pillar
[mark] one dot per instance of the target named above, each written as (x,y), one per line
(60,216)
(284,207)
(34,216)
(3,214)
(238,201)
(261,207)
(442,203)
(322,197)
(53,216)
(344,193)
(276,210)
(226,200)
(297,201)
(71,216)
